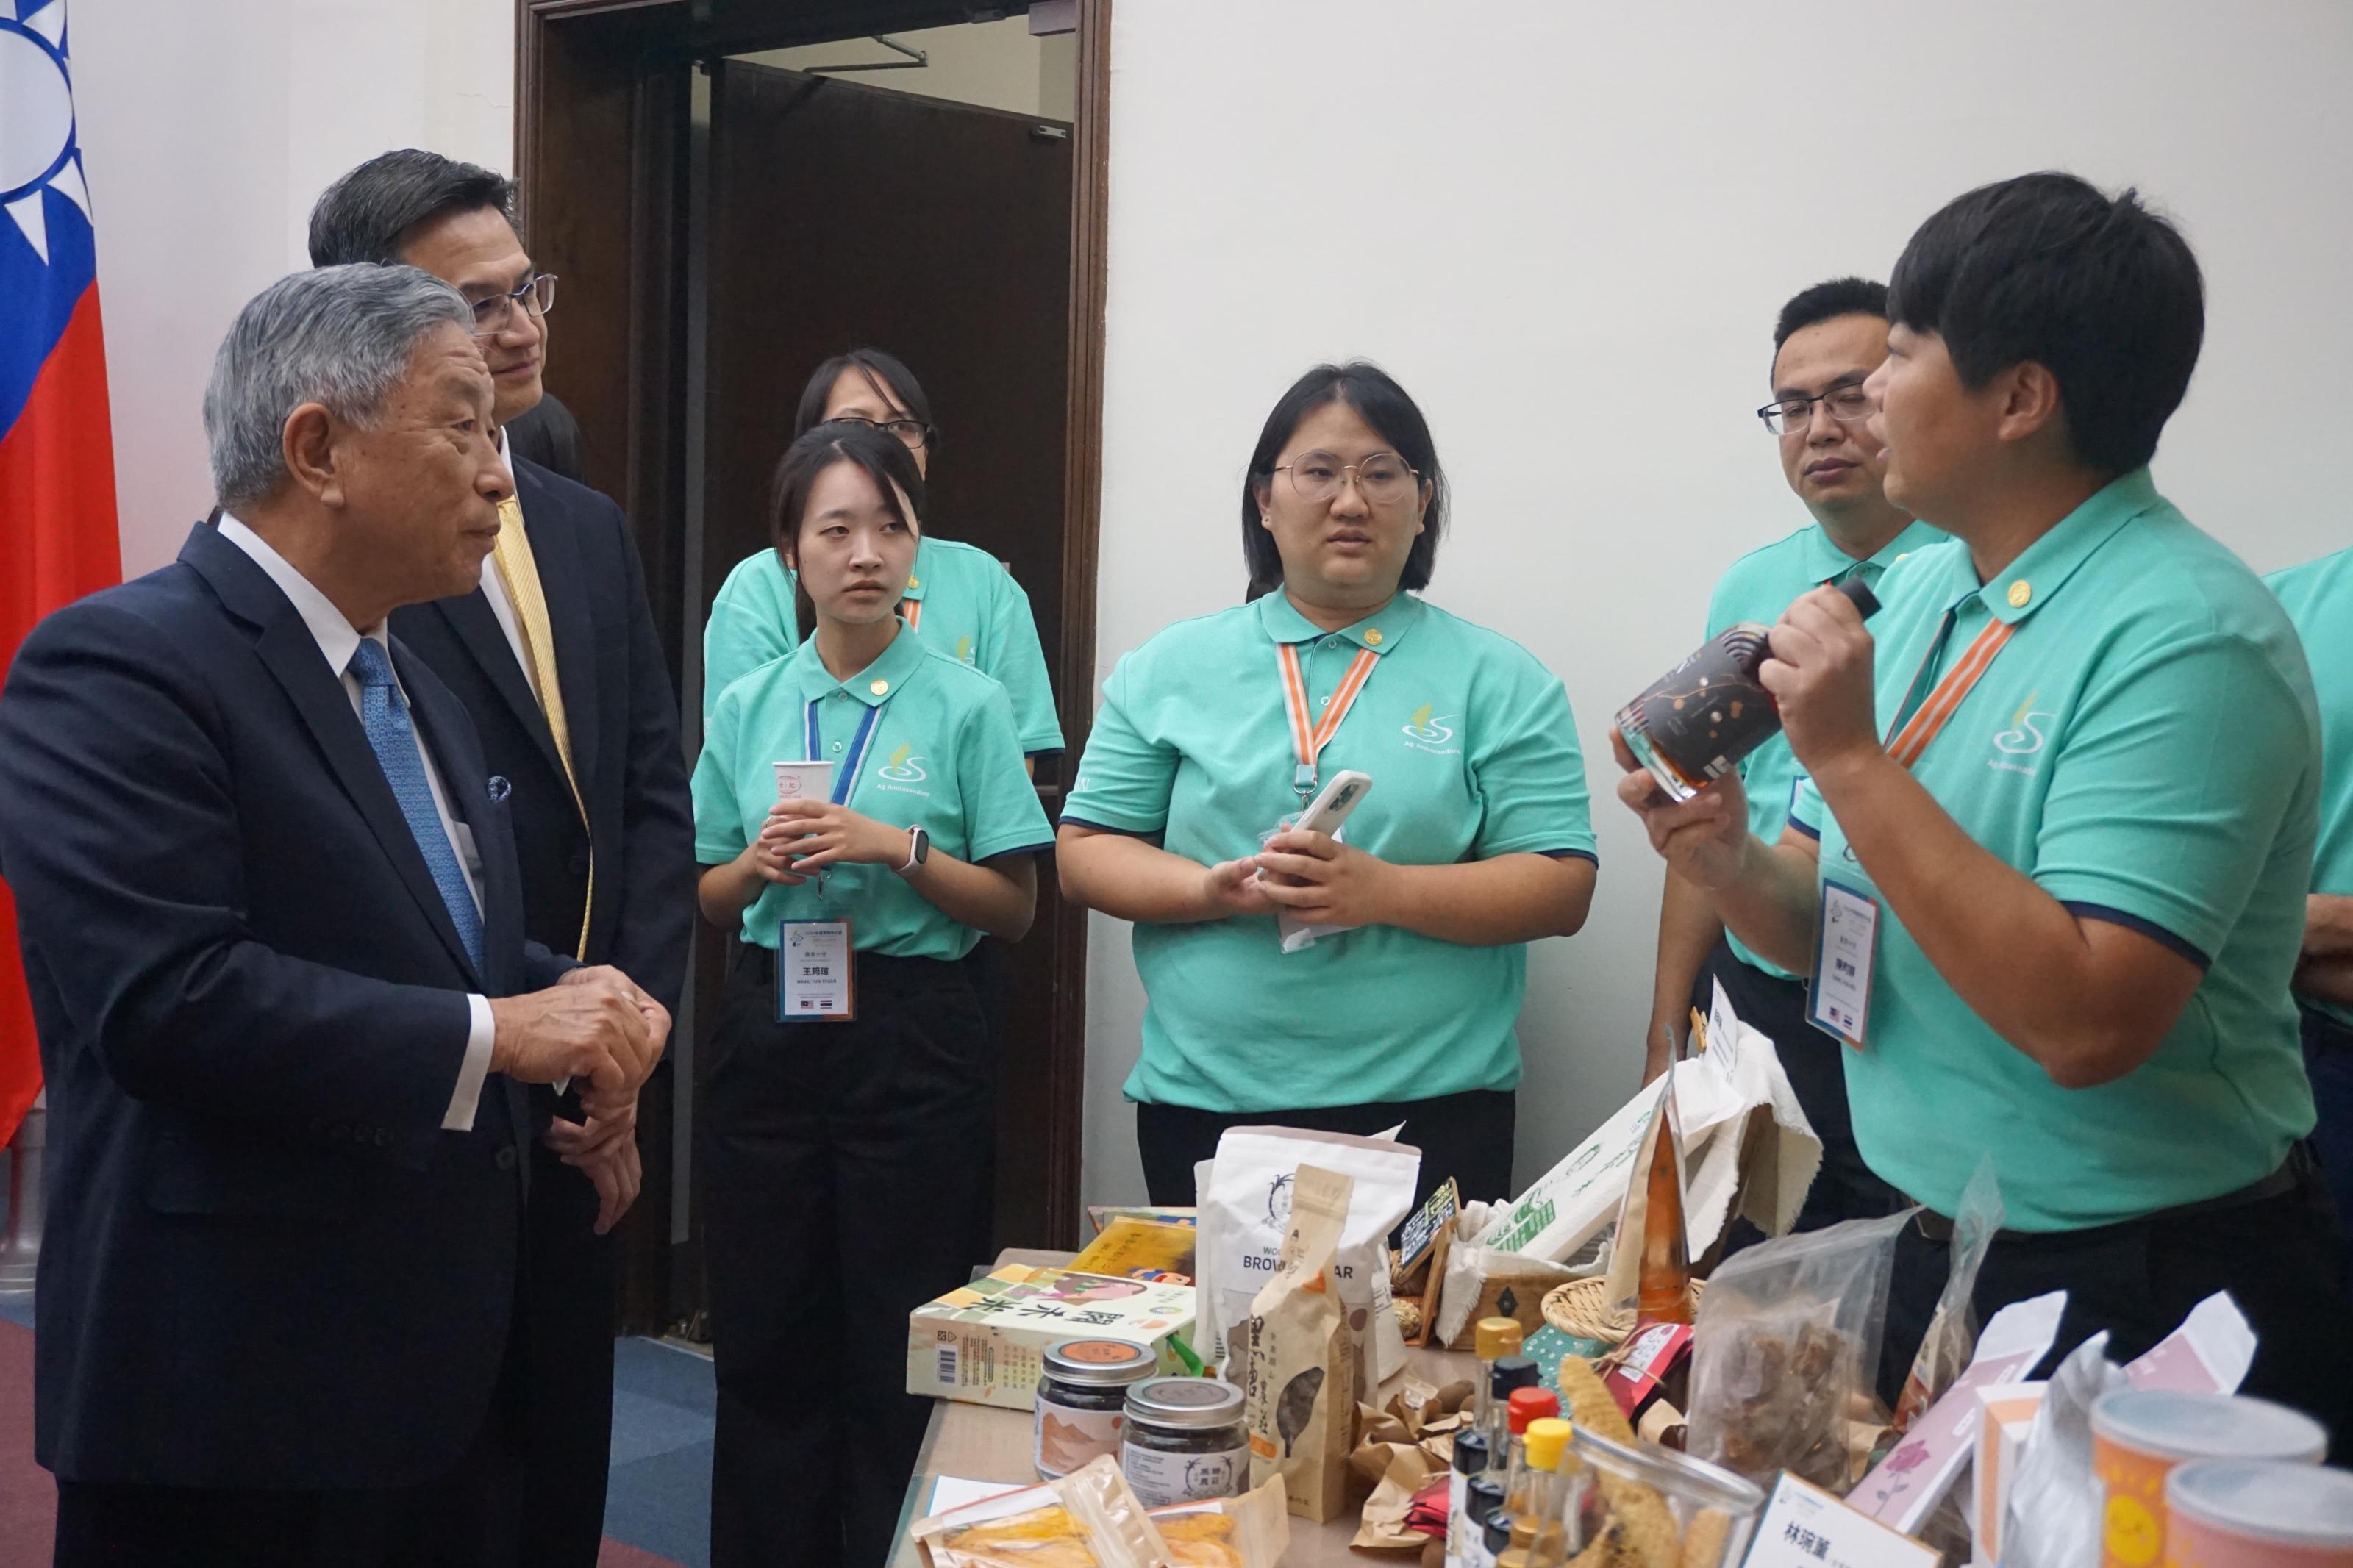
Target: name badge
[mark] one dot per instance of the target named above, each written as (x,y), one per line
(1840,1002)
(813,972)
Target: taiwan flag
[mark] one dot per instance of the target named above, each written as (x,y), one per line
(57,535)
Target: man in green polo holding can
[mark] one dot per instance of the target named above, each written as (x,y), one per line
(2046,875)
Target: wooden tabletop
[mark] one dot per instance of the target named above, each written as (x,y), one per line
(983,1443)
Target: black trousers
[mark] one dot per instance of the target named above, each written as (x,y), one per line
(570,1281)
(471,1516)
(2328,1061)
(2281,1259)
(1845,1188)
(1466,1136)
(839,1168)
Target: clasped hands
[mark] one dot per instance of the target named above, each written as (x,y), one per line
(803,837)
(596,1028)
(1320,880)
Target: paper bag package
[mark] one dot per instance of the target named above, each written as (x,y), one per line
(984,1342)
(1300,1391)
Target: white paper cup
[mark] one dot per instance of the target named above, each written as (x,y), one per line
(803,781)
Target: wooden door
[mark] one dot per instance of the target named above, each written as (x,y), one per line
(845,215)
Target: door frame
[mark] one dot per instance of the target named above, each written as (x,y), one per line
(601,147)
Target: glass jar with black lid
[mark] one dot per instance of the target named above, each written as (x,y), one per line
(1082,1400)
(1184,1441)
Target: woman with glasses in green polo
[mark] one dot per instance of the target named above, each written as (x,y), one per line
(961,600)
(1474,841)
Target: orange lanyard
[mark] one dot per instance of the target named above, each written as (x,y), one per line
(1309,740)
(913,609)
(1929,722)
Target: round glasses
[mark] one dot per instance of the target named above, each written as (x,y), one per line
(1383,479)
(912,433)
(1846,404)
(495,314)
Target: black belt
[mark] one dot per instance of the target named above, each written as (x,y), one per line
(2325,1029)
(2299,1166)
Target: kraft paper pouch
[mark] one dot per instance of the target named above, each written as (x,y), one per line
(1246,1209)
(1301,1395)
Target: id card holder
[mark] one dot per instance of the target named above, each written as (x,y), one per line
(1845,943)
(815,966)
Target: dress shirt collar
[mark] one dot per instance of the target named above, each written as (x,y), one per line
(338,639)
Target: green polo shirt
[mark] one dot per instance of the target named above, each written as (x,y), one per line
(1472,753)
(2145,748)
(1758,587)
(942,754)
(2318,598)
(973,612)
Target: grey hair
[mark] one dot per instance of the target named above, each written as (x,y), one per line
(338,336)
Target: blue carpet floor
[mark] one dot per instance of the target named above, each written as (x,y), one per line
(659,1497)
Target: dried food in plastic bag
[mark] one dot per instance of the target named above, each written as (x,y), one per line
(1087,1518)
(1786,1350)
(1952,1335)
(1251,1531)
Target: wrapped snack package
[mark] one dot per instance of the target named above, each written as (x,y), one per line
(1786,1350)
(1301,1387)
(1089,1519)
(1252,1530)
(1952,1336)
(1246,1210)
(2055,1499)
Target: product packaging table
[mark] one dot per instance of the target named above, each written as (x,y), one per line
(978,1443)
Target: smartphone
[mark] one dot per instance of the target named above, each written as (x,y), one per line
(1334,802)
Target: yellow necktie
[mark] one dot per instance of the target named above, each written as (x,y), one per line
(519,572)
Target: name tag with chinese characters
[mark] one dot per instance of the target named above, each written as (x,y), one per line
(814,962)
(1804,1527)
(1844,944)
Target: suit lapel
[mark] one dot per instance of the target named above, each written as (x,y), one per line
(477,631)
(562,580)
(290,653)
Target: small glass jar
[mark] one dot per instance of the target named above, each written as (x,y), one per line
(1184,1441)
(1083,1401)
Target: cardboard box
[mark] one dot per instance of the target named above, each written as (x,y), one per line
(984,1342)
(2009,1416)
(1140,1249)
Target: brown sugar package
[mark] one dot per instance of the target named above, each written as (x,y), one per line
(1300,1396)
(1786,1350)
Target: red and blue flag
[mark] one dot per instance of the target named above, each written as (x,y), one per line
(58,528)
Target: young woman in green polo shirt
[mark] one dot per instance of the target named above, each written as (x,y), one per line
(1473,842)
(961,599)
(844,1151)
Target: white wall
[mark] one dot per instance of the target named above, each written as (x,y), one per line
(1568,229)
(207,130)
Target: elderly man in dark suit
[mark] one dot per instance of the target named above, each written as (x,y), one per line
(273,926)
(556,658)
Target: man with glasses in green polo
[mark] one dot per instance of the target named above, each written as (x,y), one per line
(2046,869)
(1828,339)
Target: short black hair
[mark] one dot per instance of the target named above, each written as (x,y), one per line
(886,373)
(2097,289)
(361,217)
(1827,301)
(885,458)
(1380,403)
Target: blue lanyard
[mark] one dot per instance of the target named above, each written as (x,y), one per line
(845,778)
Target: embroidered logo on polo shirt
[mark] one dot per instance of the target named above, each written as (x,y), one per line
(2024,737)
(902,768)
(1426,732)
(963,649)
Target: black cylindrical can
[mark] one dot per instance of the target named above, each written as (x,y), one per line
(1693,724)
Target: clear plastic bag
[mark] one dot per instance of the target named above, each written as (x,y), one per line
(1785,1353)
(2056,1498)
(1952,1335)
(1089,1519)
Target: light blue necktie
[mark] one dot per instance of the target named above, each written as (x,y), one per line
(385,715)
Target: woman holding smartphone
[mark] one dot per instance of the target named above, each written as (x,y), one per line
(1473,842)
(846,1114)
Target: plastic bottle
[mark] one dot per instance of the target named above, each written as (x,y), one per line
(1462,1530)
(1486,1505)
(1526,1406)
(1493,1339)
(1511,1372)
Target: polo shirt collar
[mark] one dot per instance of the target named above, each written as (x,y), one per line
(1381,631)
(1827,564)
(875,685)
(920,573)
(2032,580)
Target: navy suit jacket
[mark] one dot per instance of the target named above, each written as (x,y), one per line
(264,1263)
(623,714)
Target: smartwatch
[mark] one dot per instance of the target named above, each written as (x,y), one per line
(919,849)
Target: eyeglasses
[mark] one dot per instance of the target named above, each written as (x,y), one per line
(912,433)
(495,314)
(1383,479)
(1846,404)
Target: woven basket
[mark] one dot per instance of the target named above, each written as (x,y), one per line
(1581,1310)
